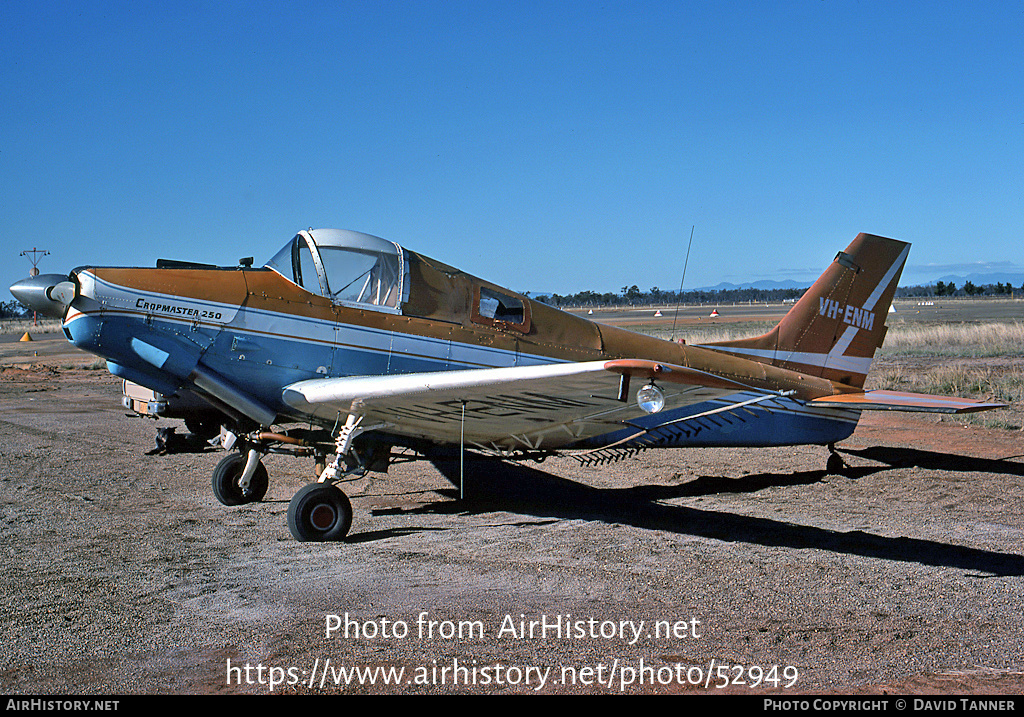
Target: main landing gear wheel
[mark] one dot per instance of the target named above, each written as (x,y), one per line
(225,481)
(319,512)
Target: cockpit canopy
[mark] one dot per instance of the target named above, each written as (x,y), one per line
(349,268)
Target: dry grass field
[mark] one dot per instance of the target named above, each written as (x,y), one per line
(20,326)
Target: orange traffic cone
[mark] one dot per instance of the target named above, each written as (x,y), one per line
(26,337)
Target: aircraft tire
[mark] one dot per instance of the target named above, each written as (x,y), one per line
(225,481)
(319,512)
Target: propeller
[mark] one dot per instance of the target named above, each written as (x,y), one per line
(46,294)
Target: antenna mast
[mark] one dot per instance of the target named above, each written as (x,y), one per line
(34,255)
(679,297)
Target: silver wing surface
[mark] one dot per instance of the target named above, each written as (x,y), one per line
(538,407)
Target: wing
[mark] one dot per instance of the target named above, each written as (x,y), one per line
(526,407)
(901,401)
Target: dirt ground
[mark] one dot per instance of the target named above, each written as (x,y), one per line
(122,574)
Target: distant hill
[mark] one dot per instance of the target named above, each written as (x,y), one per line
(978,279)
(763,284)
(1014,279)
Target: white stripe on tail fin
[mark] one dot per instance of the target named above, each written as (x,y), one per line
(836,326)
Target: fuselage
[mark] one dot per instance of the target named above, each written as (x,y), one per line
(238,336)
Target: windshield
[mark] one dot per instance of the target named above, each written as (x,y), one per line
(295,263)
(349,268)
(362,277)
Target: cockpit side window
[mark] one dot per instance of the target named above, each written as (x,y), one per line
(500,309)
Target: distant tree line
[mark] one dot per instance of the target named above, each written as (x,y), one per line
(941,288)
(12,310)
(633,296)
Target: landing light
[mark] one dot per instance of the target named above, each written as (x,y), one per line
(650,399)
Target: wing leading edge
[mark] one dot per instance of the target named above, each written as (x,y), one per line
(542,406)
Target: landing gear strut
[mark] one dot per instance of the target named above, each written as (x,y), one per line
(321,511)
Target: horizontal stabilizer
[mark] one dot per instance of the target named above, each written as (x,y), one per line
(901,401)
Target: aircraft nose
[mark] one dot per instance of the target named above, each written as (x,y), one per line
(46,294)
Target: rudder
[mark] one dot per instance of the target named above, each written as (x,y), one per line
(836,326)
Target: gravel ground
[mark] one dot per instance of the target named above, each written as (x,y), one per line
(123,574)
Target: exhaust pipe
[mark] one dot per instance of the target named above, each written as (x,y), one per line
(220,389)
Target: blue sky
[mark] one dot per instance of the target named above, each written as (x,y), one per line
(544,146)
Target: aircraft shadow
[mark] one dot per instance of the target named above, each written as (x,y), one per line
(168,441)
(912,457)
(496,486)
(373,535)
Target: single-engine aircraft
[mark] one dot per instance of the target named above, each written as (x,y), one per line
(350,345)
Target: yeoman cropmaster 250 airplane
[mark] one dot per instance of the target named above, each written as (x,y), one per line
(353,346)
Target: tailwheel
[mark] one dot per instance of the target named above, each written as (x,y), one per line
(319,512)
(835,464)
(226,481)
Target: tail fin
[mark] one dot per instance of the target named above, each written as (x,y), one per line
(836,326)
